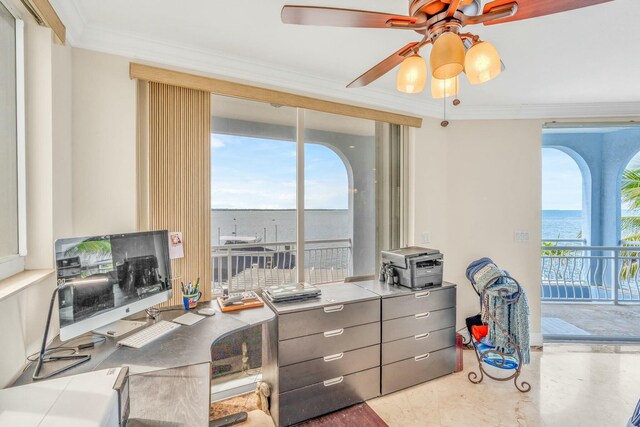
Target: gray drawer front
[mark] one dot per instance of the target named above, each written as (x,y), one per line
(314,400)
(331,342)
(418,302)
(410,372)
(327,318)
(420,344)
(331,366)
(418,324)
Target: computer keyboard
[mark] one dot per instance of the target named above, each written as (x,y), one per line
(148,334)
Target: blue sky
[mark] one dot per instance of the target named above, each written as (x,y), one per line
(252,173)
(561,181)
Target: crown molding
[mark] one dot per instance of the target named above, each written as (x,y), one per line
(83,34)
(546,111)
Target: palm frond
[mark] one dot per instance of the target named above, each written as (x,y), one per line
(630,188)
(101,248)
(630,225)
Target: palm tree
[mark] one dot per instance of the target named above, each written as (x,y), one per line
(630,190)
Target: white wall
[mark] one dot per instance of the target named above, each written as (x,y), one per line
(104,144)
(475,184)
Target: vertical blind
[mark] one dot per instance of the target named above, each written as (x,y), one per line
(177,177)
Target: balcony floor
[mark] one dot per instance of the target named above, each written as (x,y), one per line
(584,320)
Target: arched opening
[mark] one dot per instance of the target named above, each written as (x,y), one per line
(566,201)
(327,198)
(629,224)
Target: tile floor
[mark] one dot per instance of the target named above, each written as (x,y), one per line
(572,385)
(591,319)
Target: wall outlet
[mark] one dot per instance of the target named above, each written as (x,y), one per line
(521,236)
(426,238)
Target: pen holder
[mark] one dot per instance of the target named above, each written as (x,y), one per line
(191,301)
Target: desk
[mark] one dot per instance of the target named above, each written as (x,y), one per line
(180,357)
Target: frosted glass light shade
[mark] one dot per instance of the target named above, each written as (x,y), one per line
(482,63)
(447,56)
(412,75)
(445,88)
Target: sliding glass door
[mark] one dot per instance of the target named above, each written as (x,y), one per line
(339,196)
(265,160)
(253,193)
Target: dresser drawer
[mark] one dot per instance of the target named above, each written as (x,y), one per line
(418,302)
(416,370)
(419,344)
(421,323)
(327,396)
(334,341)
(327,318)
(330,366)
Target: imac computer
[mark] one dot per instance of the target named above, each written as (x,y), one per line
(103,279)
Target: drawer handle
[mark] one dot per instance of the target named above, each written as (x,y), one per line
(421,336)
(333,308)
(333,333)
(334,381)
(333,357)
(421,357)
(422,315)
(422,294)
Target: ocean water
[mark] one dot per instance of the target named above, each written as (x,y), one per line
(561,224)
(279,225)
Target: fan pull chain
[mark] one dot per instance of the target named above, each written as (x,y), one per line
(444,123)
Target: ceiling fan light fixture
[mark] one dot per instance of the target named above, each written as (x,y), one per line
(447,56)
(482,63)
(412,75)
(445,88)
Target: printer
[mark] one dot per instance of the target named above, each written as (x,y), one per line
(413,267)
(94,399)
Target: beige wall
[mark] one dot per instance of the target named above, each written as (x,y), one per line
(104,144)
(475,184)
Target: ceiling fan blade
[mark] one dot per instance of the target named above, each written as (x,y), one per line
(335,17)
(453,7)
(383,67)
(534,8)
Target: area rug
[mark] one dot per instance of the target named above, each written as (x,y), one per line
(360,415)
(246,402)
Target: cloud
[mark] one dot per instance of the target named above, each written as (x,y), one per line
(216,142)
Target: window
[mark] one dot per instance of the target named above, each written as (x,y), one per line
(12,198)
(256,181)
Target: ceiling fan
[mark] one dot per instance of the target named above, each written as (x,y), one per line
(440,23)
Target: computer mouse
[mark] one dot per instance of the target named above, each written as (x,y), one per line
(207,311)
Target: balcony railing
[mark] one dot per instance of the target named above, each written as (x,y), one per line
(590,273)
(255,265)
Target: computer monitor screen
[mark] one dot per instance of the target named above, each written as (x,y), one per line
(105,278)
